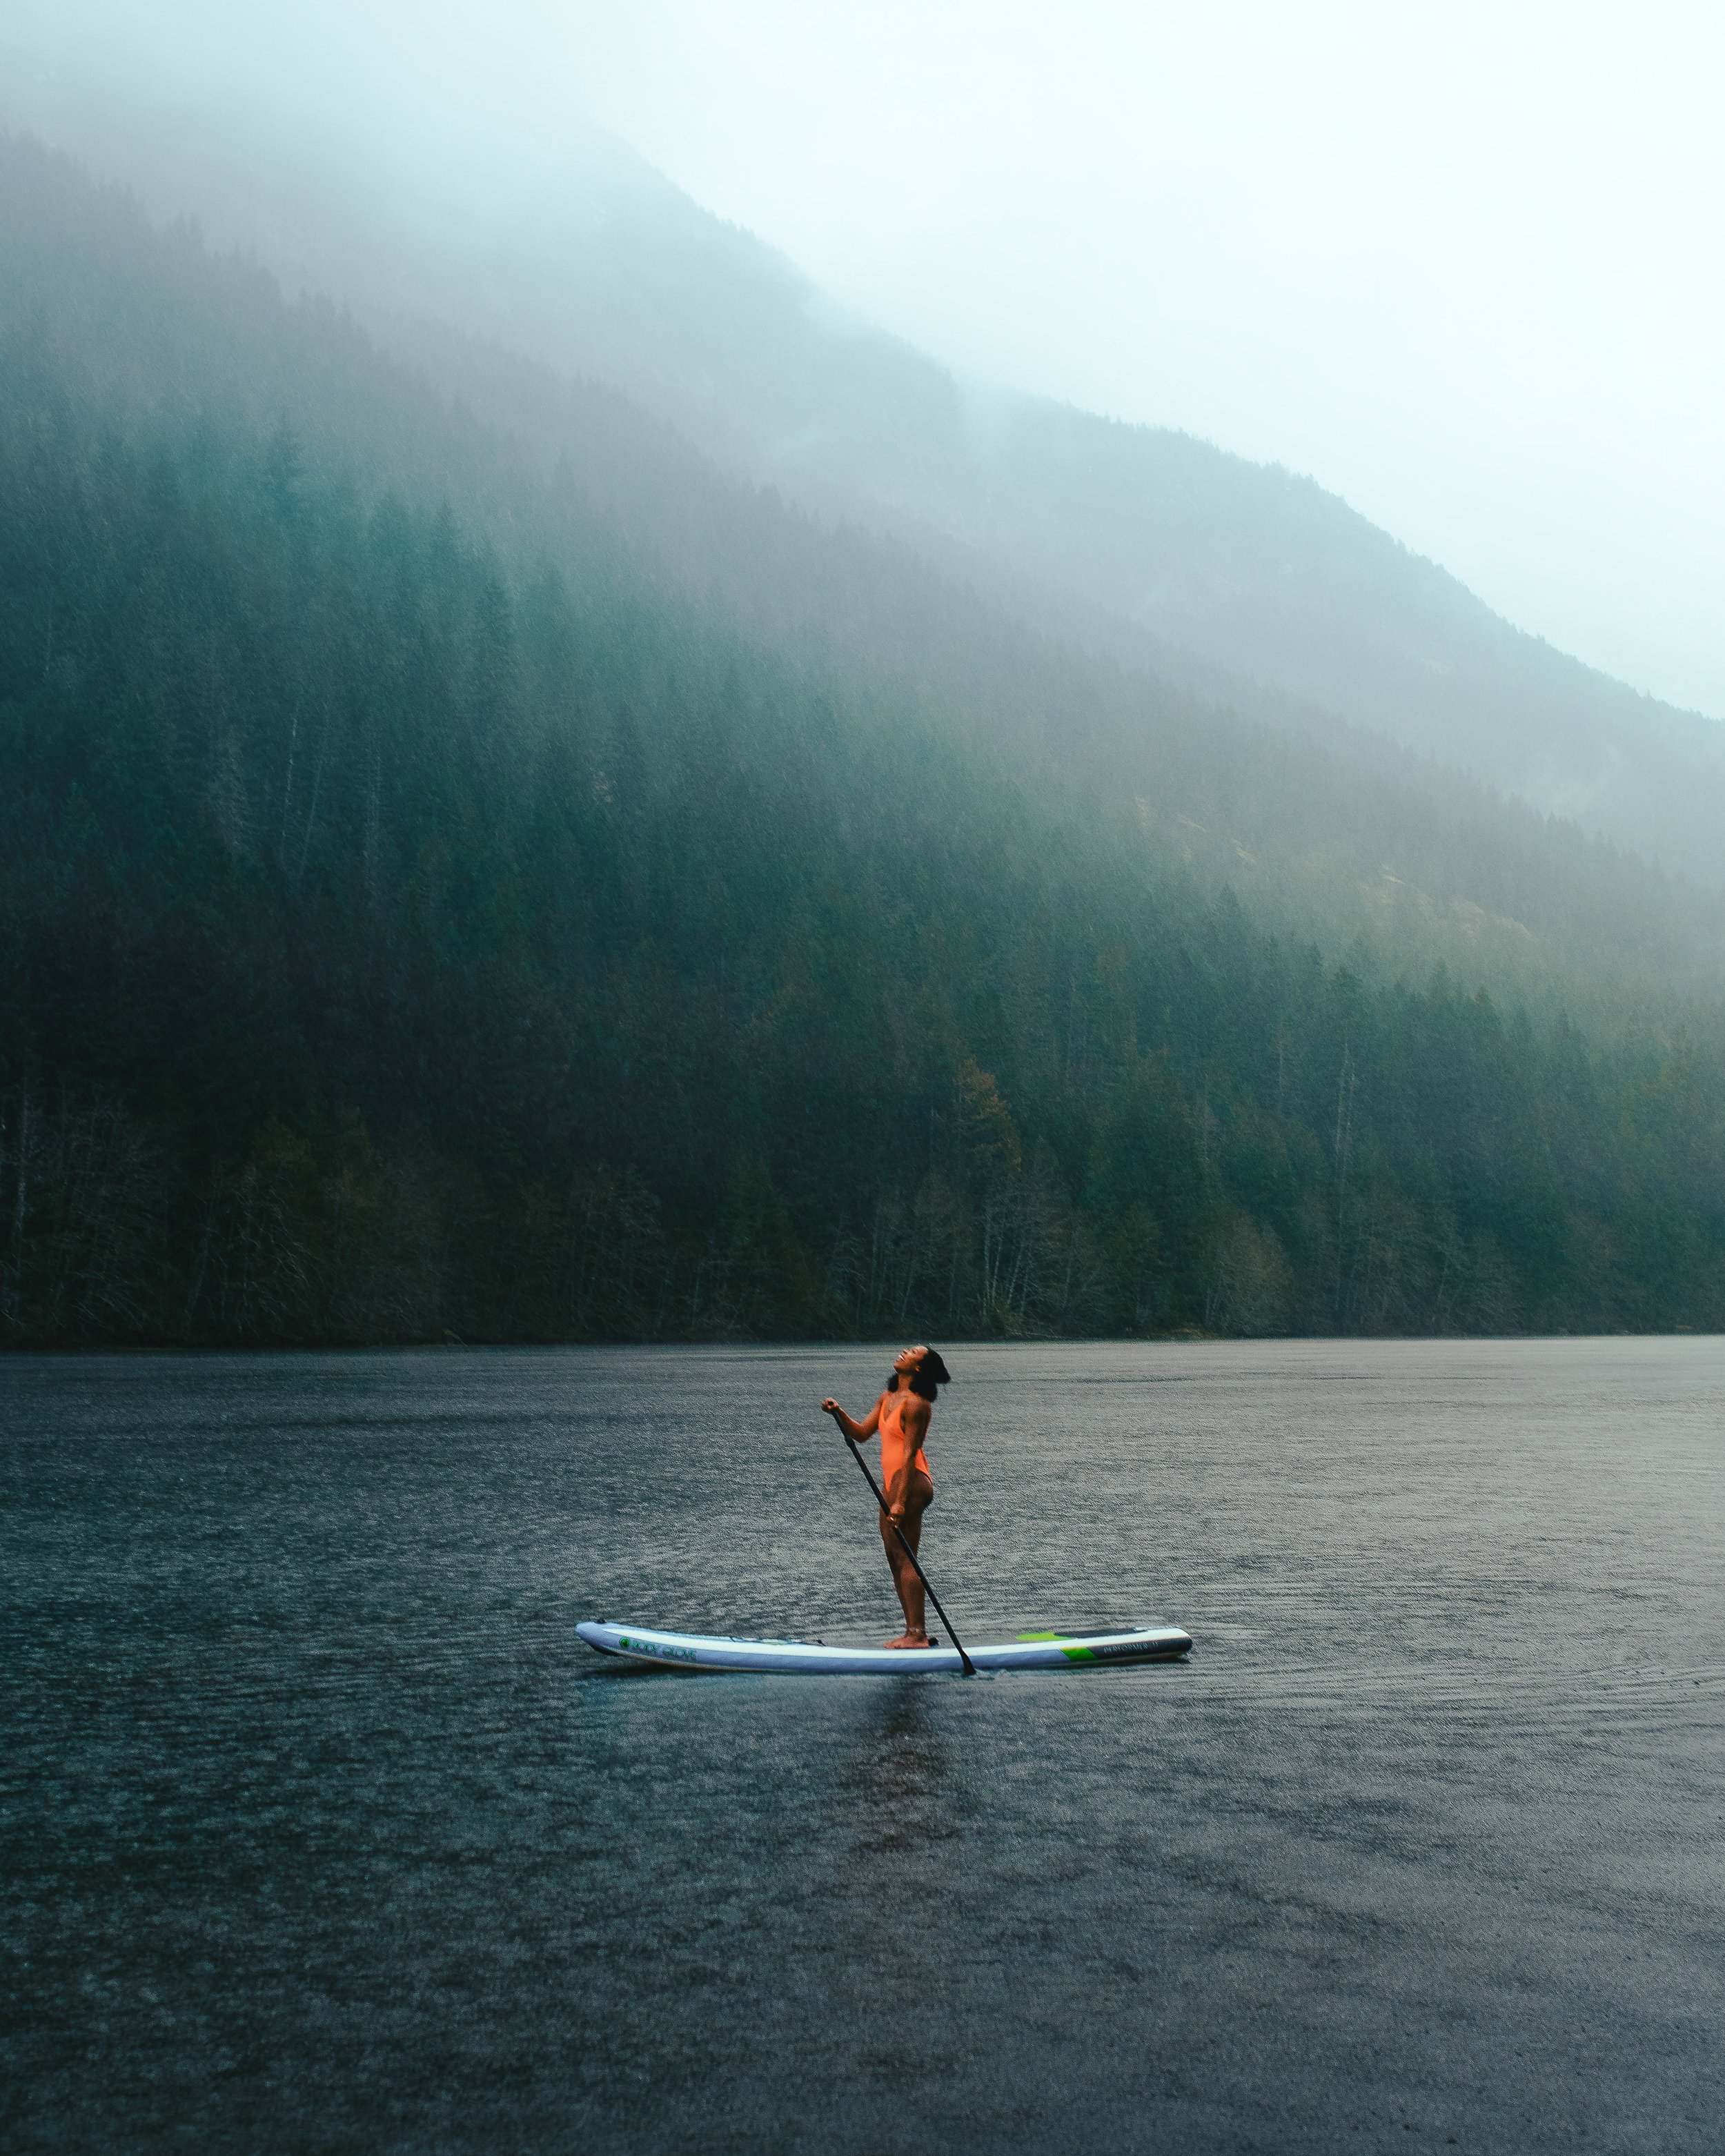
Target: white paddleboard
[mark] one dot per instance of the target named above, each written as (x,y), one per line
(1030,1650)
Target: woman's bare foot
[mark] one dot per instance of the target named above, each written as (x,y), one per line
(907,1640)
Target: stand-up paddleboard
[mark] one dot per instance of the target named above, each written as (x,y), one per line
(1030,1650)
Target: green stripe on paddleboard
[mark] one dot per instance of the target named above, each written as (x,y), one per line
(1072,1654)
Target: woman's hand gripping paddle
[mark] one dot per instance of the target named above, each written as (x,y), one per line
(969,1666)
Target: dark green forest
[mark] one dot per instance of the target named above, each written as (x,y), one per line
(417,922)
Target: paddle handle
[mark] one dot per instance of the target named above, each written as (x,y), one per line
(969,1666)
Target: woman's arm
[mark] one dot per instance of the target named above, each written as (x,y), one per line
(855,1431)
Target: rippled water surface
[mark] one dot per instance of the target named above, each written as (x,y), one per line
(320,1831)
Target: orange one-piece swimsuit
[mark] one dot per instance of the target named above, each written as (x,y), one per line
(893,1446)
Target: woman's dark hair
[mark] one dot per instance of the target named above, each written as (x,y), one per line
(930,1374)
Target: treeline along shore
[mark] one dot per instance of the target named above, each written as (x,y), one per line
(405,935)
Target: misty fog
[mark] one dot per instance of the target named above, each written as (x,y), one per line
(1464,273)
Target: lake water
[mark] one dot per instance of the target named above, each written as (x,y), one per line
(320,1831)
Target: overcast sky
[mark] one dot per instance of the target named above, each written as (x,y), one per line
(1462,265)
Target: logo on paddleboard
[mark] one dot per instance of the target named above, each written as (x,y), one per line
(657,1647)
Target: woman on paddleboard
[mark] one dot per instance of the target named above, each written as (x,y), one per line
(902,1416)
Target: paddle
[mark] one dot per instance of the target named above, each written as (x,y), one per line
(969,1666)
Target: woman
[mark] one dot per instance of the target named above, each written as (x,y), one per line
(902,1416)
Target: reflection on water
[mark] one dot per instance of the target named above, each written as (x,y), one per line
(318,1829)
(898,1773)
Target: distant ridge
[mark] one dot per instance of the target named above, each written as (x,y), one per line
(1344,836)
(1238,570)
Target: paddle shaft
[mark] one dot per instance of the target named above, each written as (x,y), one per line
(969,1666)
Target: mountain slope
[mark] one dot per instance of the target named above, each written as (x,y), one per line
(1350,842)
(419,919)
(610,272)
(390,946)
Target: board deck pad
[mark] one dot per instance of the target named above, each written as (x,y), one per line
(647,1645)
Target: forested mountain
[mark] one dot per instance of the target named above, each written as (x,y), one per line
(1219,567)
(433,899)
(1365,848)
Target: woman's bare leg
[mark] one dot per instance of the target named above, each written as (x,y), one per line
(917,1500)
